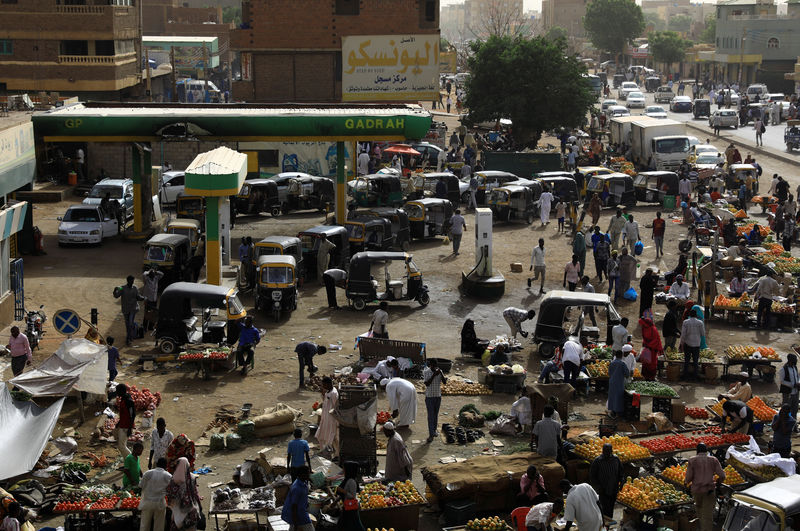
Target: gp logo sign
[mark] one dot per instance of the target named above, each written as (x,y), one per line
(73,124)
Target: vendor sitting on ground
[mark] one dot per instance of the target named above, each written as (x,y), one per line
(740,391)
(532,490)
(387,369)
(499,356)
(680,289)
(741,416)
(521,411)
(470,344)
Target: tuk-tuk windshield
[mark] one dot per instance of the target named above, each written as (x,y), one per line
(309,243)
(189,233)
(750,518)
(355,231)
(267,250)
(277,275)
(595,185)
(412,267)
(498,196)
(414,211)
(245,191)
(191,205)
(156,253)
(234,305)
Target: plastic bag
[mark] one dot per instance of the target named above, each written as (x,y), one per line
(504,425)
(638,248)
(630,294)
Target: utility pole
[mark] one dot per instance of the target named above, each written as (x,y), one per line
(741,55)
(205,72)
(149,78)
(172,74)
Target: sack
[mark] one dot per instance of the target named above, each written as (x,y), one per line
(763,128)
(351,504)
(638,248)
(504,425)
(630,294)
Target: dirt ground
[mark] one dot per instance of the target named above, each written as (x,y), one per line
(83,278)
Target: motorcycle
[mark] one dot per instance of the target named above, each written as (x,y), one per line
(34,320)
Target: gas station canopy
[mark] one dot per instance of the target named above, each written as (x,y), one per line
(219,172)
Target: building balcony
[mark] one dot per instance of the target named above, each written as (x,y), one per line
(94,60)
(71,22)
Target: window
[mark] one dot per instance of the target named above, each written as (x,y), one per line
(773,43)
(104,47)
(430,10)
(6,47)
(74,48)
(347,7)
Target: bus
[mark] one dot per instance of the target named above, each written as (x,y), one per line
(595,84)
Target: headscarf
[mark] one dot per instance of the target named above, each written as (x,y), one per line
(182,496)
(699,310)
(181,471)
(650,337)
(687,307)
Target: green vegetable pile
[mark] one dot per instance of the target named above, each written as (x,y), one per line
(492,414)
(652,389)
(601,353)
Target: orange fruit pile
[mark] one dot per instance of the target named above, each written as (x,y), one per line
(761,410)
(623,448)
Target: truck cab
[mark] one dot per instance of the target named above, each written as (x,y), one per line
(669,151)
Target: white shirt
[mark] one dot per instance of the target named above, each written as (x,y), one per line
(680,291)
(539,514)
(630,361)
(363,164)
(80,156)
(159,444)
(154,485)
(581,507)
(379,320)
(537,256)
(620,336)
(521,409)
(631,231)
(572,352)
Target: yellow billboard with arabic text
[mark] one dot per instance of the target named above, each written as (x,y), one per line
(390,67)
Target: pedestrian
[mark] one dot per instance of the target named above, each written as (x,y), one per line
(160,439)
(473,191)
(631,232)
(619,335)
(572,273)
(588,288)
(602,253)
(617,378)
(113,359)
(606,476)
(324,252)
(297,455)
(782,189)
(647,288)
(449,102)
(692,332)
(670,328)
(380,318)
(704,474)
(615,227)
(652,348)
(538,265)
(350,520)
(402,397)
(328,430)
(295,506)
(399,464)
(659,227)
(249,337)
(305,356)
(125,422)
(131,469)
(561,210)
(685,188)
(579,249)
(547,434)
(742,196)
(151,278)
(594,208)
(434,378)
(570,163)
(466,169)
(612,274)
(333,278)
(363,163)
(20,349)
(741,416)
(581,506)
(457,227)
(441,160)
(571,361)
(788,232)
(760,129)
(767,288)
(789,383)
(515,317)
(544,203)
(783,424)
(153,506)
(531,485)
(627,270)
(129,295)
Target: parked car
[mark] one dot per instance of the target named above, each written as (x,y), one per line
(774,96)
(85,224)
(431,149)
(617,110)
(734,96)
(681,104)
(626,88)
(635,99)
(724,118)
(172,185)
(756,91)
(700,149)
(663,94)
(606,104)
(655,111)
(119,190)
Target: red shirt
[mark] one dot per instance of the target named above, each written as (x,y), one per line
(658,227)
(125,420)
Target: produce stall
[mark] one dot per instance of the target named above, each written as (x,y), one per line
(207,360)
(750,358)
(676,475)
(505,378)
(648,495)
(258,502)
(676,443)
(761,411)
(359,445)
(464,387)
(90,508)
(623,447)
(760,468)
(710,364)
(733,309)
(661,395)
(396,504)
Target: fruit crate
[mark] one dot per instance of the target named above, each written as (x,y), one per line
(507,383)
(355,395)
(402,517)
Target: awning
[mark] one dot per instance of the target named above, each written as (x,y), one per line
(219,172)
(12,218)
(78,364)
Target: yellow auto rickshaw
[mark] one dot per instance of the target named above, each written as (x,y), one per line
(282,245)
(277,284)
(189,228)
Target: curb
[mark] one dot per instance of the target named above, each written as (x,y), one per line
(750,147)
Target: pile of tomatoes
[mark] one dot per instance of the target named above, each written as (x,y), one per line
(711,437)
(105,504)
(143,399)
(191,356)
(71,507)
(384,417)
(130,503)
(696,412)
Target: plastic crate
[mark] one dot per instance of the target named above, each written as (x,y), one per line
(355,395)
(459,512)
(506,388)
(662,405)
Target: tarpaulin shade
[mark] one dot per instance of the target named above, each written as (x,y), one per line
(26,430)
(78,364)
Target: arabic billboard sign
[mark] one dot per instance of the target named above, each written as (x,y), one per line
(390,67)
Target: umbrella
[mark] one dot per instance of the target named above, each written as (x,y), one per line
(401,149)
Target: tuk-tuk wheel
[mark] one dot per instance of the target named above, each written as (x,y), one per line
(359,303)
(275,212)
(546,350)
(405,246)
(465,198)
(167,345)
(424,298)
(529,219)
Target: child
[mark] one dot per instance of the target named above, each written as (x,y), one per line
(113,358)
(297,455)
(561,209)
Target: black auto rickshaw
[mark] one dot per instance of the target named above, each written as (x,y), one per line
(376,190)
(310,239)
(192,313)
(363,288)
(189,228)
(489,180)
(308,193)
(614,189)
(651,83)
(170,254)
(563,187)
(282,245)
(618,80)
(513,202)
(400,225)
(369,233)
(429,217)
(276,290)
(258,195)
(191,207)
(653,186)
(701,108)
(562,314)
(431,180)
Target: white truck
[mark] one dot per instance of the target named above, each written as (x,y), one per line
(659,144)
(620,128)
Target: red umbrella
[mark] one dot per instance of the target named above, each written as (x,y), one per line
(401,149)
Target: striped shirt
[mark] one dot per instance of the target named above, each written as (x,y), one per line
(434,389)
(605,474)
(516,315)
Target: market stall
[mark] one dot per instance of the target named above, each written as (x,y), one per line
(396,504)
(761,359)
(646,496)
(92,508)
(257,502)
(208,359)
(711,365)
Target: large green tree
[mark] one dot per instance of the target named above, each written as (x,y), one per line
(611,24)
(667,47)
(532,81)
(709,34)
(652,18)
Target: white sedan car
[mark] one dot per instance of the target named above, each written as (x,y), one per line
(655,111)
(606,104)
(172,185)
(85,224)
(626,88)
(635,99)
(617,110)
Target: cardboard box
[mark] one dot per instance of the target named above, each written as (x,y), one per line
(711,373)
(516,267)
(673,372)
(577,469)
(678,413)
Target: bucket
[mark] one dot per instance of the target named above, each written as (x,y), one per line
(72,178)
(669,202)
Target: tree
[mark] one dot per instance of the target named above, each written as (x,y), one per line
(555,33)
(611,24)
(680,23)
(652,18)
(232,14)
(667,47)
(531,81)
(499,17)
(709,34)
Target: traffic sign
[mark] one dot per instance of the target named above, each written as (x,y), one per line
(67,322)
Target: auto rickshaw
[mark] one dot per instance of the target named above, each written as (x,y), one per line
(189,228)
(513,202)
(400,225)
(562,315)
(308,193)
(770,506)
(701,108)
(454,187)
(488,180)
(614,189)
(189,313)
(377,190)
(276,290)
(170,254)
(562,186)
(282,245)
(309,241)
(653,186)
(363,288)
(258,195)
(191,207)
(369,233)
(737,174)
(590,171)
(652,83)
(429,217)
(617,80)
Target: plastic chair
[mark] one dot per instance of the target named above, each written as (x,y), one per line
(518,518)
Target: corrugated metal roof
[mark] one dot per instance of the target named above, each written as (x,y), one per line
(219,161)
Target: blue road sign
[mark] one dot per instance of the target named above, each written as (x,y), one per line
(66,322)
